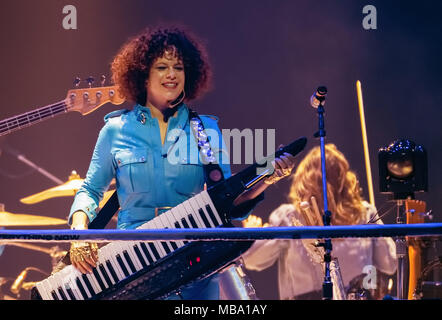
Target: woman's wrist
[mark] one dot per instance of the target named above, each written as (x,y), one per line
(79,221)
(79,227)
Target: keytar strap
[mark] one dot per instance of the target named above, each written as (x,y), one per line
(212,171)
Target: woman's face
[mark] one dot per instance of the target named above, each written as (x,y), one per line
(166,80)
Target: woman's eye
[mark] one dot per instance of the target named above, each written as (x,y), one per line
(161,68)
(180,68)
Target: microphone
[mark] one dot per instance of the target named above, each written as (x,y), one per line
(18,283)
(318,98)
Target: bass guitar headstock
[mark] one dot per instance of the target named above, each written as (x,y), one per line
(89,99)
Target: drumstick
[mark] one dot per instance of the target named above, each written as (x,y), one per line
(305,206)
(364,140)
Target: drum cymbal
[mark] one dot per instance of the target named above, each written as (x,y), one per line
(67,189)
(8,219)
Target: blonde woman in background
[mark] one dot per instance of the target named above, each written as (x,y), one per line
(300,267)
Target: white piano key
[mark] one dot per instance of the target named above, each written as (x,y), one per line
(165,223)
(136,261)
(94,282)
(184,215)
(54,284)
(121,249)
(146,260)
(43,290)
(110,253)
(126,247)
(153,225)
(74,288)
(102,258)
(78,275)
(172,219)
(61,281)
(157,245)
(203,203)
(66,274)
(111,278)
(49,287)
(197,206)
(150,251)
(195,215)
(103,279)
(178,215)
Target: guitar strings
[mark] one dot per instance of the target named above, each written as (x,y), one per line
(24,120)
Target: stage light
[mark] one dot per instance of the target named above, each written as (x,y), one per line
(403,169)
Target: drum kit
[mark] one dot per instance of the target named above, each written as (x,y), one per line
(9,219)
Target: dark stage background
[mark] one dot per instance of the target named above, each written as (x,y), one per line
(268,57)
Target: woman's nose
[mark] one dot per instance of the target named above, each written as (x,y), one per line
(171,74)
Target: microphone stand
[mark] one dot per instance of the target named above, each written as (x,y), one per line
(401,246)
(327,286)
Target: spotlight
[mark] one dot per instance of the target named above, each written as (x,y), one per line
(403,169)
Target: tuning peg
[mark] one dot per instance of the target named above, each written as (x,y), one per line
(103,80)
(90,80)
(77,81)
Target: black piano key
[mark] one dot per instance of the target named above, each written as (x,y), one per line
(71,294)
(140,256)
(61,292)
(88,284)
(211,215)
(105,275)
(112,271)
(146,252)
(129,261)
(99,280)
(166,247)
(82,291)
(154,251)
(122,265)
(192,221)
(54,295)
(185,224)
(177,225)
(174,246)
(203,217)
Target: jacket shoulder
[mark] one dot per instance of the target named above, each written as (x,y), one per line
(209,121)
(115,114)
(209,117)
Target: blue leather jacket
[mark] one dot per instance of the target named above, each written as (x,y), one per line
(149,174)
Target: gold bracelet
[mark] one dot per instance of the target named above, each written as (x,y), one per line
(271,180)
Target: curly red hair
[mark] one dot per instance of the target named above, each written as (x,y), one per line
(130,67)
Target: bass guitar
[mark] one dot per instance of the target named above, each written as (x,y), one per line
(84,101)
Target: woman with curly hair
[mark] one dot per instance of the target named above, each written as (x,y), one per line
(300,267)
(160,70)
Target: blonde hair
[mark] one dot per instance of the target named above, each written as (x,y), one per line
(343,191)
